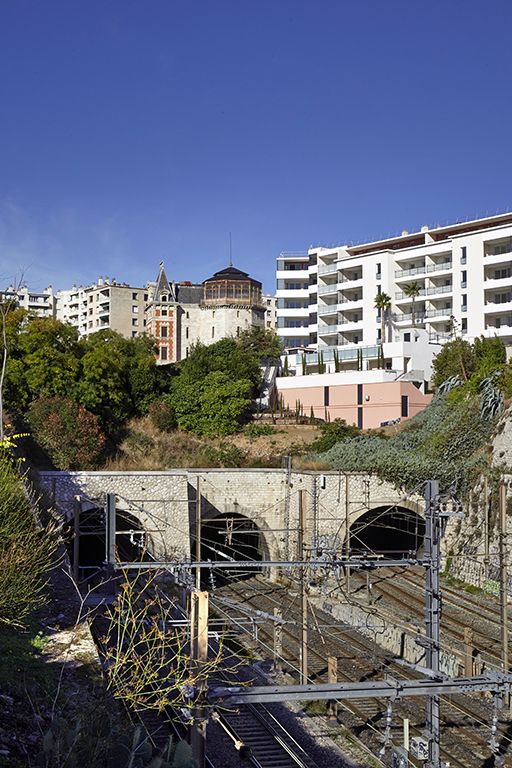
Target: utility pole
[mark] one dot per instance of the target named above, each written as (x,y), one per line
(278,641)
(503,578)
(433,608)
(303,596)
(347,533)
(486,531)
(76,538)
(199,657)
(198,532)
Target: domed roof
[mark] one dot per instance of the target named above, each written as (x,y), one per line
(231,273)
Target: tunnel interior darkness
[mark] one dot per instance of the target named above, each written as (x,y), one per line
(390,531)
(233,535)
(130,538)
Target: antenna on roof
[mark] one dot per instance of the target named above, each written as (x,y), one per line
(230,256)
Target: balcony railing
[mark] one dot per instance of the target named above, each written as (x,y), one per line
(439,289)
(418,317)
(399,295)
(439,312)
(441,336)
(423,270)
(328,309)
(327,269)
(324,289)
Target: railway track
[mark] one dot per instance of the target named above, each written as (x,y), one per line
(465,723)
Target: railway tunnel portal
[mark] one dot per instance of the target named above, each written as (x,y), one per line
(245,513)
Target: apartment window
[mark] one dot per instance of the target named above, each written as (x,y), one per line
(360,418)
(499,274)
(379,290)
(463,255)
(164,313)
(326,396)
(186,333)
(135,296)
(135,309)
(146,297)
(501,298)
(269,324)
(268,302)
(269,313)
(464,302)
(464,279)
(135,321)
(464,325)
(90,323)
(90,299)
(359,394)
(407,336)
(163,332)
(502,249)
(134,334)
(163,353)
(90,311)
(379,271)
(405,406)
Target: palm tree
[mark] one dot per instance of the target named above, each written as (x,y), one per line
(383,302)
(412,290)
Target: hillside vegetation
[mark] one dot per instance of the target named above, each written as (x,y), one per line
(443,441)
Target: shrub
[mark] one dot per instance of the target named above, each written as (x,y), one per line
(25,552)
(71,435)
(162,415)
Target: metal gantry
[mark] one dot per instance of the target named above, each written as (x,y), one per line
(433,685)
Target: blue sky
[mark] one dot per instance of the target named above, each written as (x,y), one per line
(133,131)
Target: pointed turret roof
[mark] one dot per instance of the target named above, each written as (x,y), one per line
(163,285)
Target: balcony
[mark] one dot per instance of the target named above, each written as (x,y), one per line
(324,290)
(328,269)
(439,289)
(447,312)
(329,309)
(329,330)
(418,318)
(400,295)
(399,273)
(440,337)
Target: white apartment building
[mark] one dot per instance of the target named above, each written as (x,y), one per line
(270,304)
(463,272)
(293,298)
(45,304)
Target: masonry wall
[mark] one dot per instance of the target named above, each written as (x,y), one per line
(164,502)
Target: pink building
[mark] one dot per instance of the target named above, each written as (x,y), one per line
(363,398)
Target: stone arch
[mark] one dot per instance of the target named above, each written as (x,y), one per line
(131,538)
(388,529)
(236,532)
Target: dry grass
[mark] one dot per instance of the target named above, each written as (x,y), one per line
(147,449)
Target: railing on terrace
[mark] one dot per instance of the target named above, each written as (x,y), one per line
(424,269)
(414,230)
(439,289)
(439,312)
(327,269)
(401,295)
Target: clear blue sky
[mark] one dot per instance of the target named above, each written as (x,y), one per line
(138,130)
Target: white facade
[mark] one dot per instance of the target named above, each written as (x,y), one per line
(44,304)
(464,276)
(293,298)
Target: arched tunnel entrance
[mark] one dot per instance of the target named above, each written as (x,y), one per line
(387,530)
(231,536)
(131,540)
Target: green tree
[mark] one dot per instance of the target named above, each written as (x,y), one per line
(457,358)
(225,356)
(71,435)
(212,407)
(262,343)
(382,302)
(412,291)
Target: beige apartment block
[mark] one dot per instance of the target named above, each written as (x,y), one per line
(105,304)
